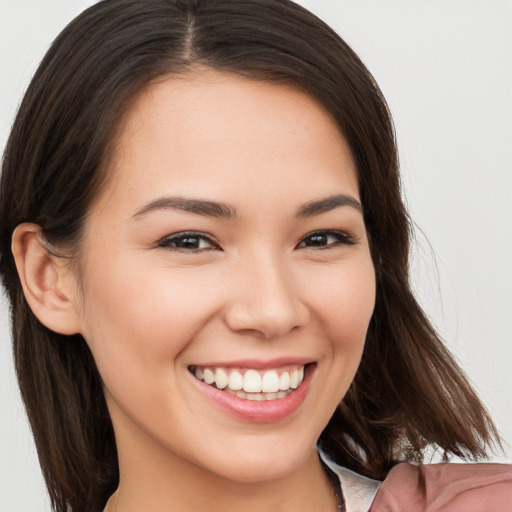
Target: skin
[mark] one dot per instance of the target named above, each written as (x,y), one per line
(257,288)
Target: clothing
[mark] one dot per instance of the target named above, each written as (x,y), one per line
(431,488)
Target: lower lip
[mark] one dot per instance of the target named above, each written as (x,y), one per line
(267,411)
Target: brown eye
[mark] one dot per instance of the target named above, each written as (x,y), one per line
(193,242)
(325,239)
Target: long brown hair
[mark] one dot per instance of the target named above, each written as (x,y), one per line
(408,393)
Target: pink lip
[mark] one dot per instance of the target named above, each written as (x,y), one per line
(257,364)
(259,412)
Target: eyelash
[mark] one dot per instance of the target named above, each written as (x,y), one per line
(181,237)
(340,237)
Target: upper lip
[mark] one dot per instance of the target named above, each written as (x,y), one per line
(257,364)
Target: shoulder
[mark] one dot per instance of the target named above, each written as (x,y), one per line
(358,491)
(446,488)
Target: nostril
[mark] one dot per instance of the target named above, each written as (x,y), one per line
(269,321)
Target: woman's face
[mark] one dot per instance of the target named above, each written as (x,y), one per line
(228,244)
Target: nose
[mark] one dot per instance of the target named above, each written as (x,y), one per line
(265,301)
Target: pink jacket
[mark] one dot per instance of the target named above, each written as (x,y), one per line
(446,488)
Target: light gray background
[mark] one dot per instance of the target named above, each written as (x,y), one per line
(445,67)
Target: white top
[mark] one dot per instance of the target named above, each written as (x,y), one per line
(358,490)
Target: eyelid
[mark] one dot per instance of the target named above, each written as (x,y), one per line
(343,238)
(165,242)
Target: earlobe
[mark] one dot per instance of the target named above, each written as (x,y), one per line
(45,281)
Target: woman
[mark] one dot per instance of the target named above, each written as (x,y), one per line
(208,274)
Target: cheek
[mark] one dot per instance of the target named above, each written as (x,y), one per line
(344,313)
(139,319)
(344,304)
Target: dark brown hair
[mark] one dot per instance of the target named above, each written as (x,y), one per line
(408,393)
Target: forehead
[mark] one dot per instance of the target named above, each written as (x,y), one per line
(212,129)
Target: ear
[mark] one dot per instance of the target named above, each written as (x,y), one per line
(47,281)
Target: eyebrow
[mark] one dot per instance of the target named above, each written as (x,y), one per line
(327,204)
(229,212)
(197,206)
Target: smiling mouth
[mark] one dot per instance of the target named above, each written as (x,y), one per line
(251,384)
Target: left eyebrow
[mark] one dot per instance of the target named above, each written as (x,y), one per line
(190,205)
(327,204)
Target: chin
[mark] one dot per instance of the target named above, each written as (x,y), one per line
(260,462)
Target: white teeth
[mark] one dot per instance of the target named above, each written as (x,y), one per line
(209,376)
(253,384)
(270,382)
(294,379)
(260,397)
(284,381)
(236,381)
(221,378)
(252,381)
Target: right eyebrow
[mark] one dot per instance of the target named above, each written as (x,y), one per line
(190,205)
(327,204)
